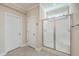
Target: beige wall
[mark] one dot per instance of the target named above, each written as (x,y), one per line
(35,11)
(74,8)
(1,33)
(5,9)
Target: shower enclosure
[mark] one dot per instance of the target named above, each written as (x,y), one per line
(56,33)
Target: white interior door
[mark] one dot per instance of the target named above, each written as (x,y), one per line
(48,33)
(31,31)
(63,34)
(13,29)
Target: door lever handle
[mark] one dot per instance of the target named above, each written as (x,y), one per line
(33,34)
(19,33)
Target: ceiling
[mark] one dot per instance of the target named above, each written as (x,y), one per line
(23,7)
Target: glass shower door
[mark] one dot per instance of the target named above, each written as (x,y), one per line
(63,34)
(48,33)
(56,34)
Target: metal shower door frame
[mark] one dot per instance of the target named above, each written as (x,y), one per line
(70,17)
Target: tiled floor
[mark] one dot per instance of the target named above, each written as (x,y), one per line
(28,51)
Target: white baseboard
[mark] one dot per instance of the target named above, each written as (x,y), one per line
(38,49)
(55,52)
(4,53)
(24,45)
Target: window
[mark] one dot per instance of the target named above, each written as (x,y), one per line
(50,10)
